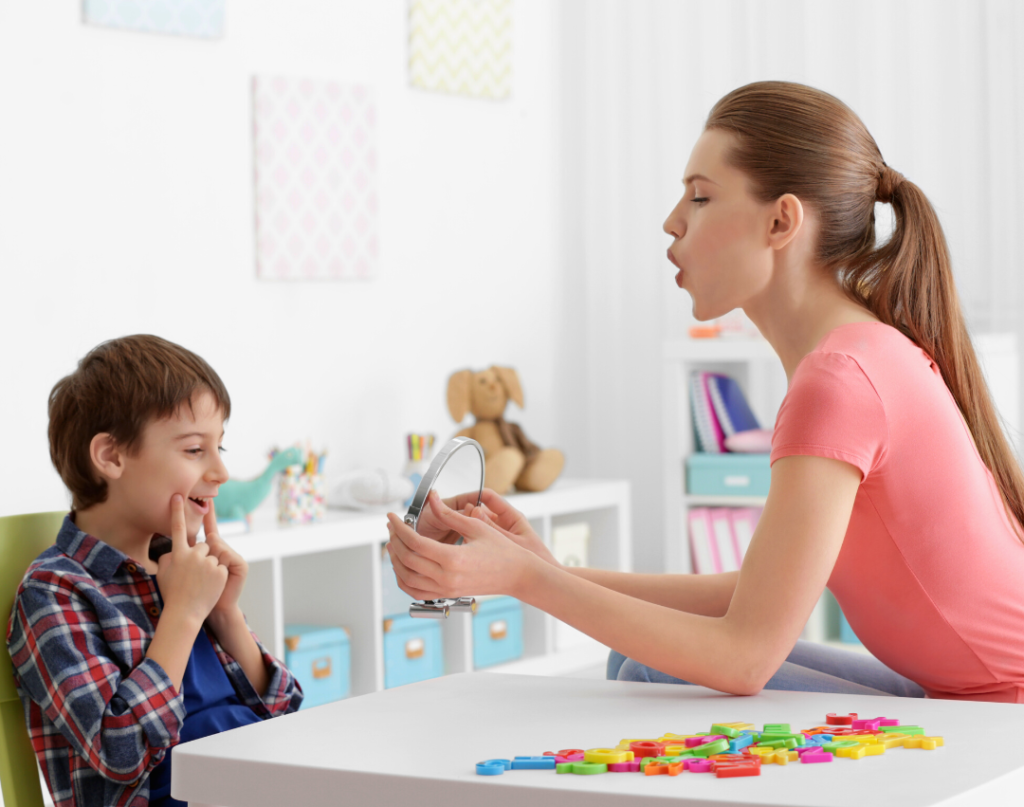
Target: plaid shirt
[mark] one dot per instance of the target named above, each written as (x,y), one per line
(100,714)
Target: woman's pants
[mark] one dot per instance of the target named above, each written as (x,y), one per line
(810,667)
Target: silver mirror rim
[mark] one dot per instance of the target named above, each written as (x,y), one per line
(412,516)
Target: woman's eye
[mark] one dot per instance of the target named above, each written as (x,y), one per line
(193,451)
(221,449)
(699,199)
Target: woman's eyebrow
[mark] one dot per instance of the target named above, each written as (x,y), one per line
(692,177)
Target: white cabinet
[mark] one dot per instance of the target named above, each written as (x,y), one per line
(757,369)
(329,573)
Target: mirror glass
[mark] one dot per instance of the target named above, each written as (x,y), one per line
(457,469)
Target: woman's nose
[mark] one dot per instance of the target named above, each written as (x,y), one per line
(674,224)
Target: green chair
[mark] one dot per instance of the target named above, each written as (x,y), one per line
(22,538)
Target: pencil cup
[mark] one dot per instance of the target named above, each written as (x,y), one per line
(419,447)
(300,498)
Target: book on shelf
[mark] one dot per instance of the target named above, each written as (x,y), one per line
(730,405)
(719,537)
(710,438)
(729,559)
(720,410)
(703,547)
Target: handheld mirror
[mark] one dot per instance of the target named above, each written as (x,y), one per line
(457,469)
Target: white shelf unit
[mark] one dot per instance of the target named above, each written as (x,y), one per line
(756,367)
(329,573)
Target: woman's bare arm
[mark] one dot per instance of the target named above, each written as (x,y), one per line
(789,560)
(705,594)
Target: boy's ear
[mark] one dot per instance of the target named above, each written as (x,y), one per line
(107,457)
(510,381)
(458,394)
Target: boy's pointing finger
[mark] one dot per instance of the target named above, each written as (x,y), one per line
(179,535)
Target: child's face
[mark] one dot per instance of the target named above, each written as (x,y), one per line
(178,454)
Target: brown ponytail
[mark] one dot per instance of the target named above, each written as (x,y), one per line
(790,138)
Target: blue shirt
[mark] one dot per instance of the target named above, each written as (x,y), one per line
(211,706)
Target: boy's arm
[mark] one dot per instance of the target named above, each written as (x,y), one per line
(264,683)
(121,725)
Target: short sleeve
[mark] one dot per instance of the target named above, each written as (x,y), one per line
(832,410)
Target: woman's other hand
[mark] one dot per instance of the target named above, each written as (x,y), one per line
(501,515)
(487,563)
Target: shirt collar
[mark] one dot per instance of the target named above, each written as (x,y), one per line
(100,559)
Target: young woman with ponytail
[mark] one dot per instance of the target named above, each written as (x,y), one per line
(892,482)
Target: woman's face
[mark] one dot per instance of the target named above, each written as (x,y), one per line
(720,232)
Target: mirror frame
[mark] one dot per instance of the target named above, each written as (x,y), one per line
(412,517)
(440,609)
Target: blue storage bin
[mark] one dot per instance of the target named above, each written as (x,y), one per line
(497,631)
(320,658)
(728,474)
(412,650)
(394,601)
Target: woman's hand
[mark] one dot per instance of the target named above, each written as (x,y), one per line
(512,524)
(487,563)
(430,524)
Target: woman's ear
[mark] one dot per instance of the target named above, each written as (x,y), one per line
(787,219)
(458,394)
(107,457)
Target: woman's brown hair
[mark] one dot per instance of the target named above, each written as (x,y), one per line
(118,388)
(790,138)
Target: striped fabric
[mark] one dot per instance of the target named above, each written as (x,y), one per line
(100,714)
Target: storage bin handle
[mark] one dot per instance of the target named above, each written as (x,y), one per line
(322,668)
(499,629)
(414,648)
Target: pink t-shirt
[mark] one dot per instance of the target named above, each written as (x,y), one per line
(930,571)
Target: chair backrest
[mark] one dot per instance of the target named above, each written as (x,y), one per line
(22,538)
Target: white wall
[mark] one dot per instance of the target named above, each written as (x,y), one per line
(126,206)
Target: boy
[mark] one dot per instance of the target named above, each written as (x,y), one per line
(126,642)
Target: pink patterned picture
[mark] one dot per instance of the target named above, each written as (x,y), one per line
(316,180)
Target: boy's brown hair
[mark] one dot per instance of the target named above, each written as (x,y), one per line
(119,387)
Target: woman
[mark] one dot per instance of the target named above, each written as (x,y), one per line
(892,482)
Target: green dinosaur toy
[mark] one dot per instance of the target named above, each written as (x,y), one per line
(237,498)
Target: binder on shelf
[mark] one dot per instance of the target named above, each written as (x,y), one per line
(703,548)
(710,438)
(730,405)
(744,521)
(721,532)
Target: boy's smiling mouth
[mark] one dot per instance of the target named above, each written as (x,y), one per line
(201,503)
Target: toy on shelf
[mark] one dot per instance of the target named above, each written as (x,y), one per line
(369,490)
(301,493)
(237,498)
(510,458)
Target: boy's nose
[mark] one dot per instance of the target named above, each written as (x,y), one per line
(218,472)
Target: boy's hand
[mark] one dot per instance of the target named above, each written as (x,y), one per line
(192,579)
(236,565)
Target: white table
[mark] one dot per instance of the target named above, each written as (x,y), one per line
(419,744)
